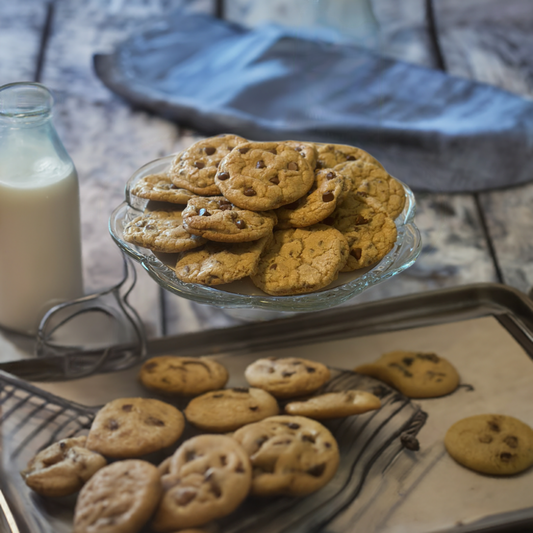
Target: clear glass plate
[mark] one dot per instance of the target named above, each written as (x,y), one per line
(243,294)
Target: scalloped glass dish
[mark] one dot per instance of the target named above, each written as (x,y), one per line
(243,294)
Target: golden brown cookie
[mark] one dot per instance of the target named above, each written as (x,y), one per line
(119,498)
(183,376)
(226,410)
(290,455)
(302,260)
(317,205)
(491,444)
(159,187)
(209,476)
(370,180)
(195,168)
(218,263)
(216,219)
(264,176)
(334,405)
(62,468)
(133,427)
(415,374)
(161,231)
(287,377)
(369,230)
(307,149)
(330,155)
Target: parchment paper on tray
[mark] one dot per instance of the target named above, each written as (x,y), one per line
(380,486)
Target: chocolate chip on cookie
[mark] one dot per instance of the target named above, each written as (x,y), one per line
(302,260)
(290,455)
(415,374)
(62,468)
(307,149)
(182,376)
(226,410)
(264,176)
(195,168)
(287,377)
(119,498)
(208,477)
(491,444)
(216,219)
(133,427)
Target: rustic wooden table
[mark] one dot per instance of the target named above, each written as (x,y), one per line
(467,238)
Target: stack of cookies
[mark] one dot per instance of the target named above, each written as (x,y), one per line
(290,215)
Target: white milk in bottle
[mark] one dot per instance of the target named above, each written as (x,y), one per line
(40,247)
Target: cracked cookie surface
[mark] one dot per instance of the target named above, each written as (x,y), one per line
(290,455)
(302,260)
(491,444)
(264,176)
(287,377)
(195,168)
(183,376)
(216,219)
(330,155)
(415,374)
(132,427)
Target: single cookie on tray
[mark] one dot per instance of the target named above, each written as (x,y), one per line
(368,229)
(491,444)
(133,427)
(370,180)
(290,455)
(161,231)
(317,205)
(228,409)
(334,405)
(209,476)
(218,263)
(195,168)
(216,219)
(415,374)
(119,498)
(287,377)
(330,155)
(301,260)
(159,187)
(183,376)
(264,176)
(62,468)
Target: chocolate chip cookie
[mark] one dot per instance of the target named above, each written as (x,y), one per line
(334,405)
(182,376)
(218,263)
(209,476)
(195,168)
(161,231)
(491,444)
(307,149)
(317,205)
(264,176)
(119,498)
(369,230)
(62,468)
(133,427)
(302,260)
(290,455)
(159,187)
(216,219)
(415,374)
(226,410)
(287,377)
(330,155)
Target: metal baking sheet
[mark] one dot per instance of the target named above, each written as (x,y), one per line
(486,331)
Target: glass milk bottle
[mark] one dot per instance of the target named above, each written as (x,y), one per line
(40,246)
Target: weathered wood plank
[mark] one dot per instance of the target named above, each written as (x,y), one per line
(491,41)
(21,25)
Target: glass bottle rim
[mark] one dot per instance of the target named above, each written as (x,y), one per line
(25,100)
